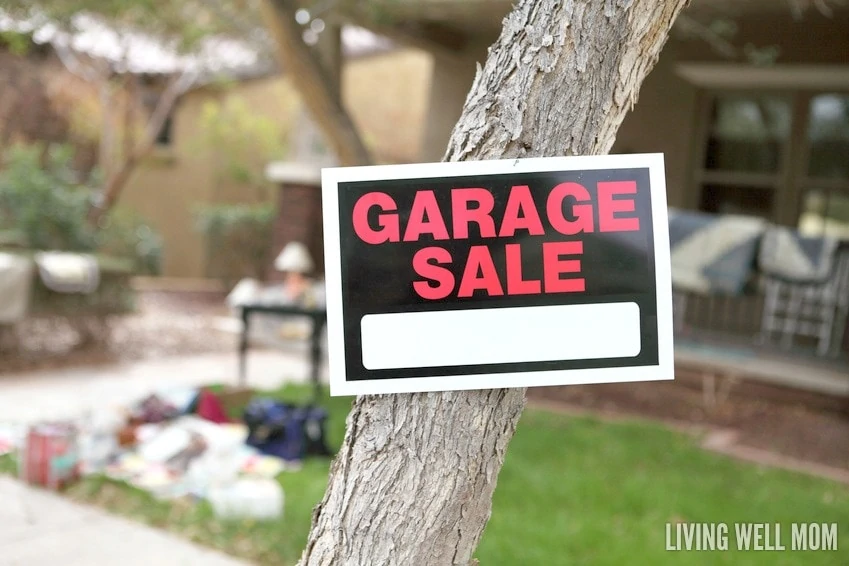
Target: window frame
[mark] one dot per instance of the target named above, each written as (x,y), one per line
(792,180)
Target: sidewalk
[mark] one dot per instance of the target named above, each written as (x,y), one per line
(68,393)
(41,528)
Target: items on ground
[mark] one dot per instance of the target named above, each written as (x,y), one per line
(180,442)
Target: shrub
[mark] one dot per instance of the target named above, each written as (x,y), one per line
(45,206)
(238,239)
(41,201)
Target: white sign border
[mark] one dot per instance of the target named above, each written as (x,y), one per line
(330,179)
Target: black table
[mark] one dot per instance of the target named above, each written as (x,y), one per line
(319,319)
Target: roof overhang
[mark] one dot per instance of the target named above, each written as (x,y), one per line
(731,76)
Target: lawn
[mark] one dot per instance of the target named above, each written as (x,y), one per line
(572,491)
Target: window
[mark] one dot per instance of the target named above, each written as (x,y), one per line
(747,134)
(781,156)
(164,137)
(150,99)
(743,158)
(825,203)
(736,199)
(828,135)
(825,213)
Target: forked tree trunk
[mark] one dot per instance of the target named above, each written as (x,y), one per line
(413,482)
(317,89)
(118,178)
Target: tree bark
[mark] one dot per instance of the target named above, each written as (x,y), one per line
(312,81)
(413,481)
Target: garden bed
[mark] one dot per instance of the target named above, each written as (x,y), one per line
(771,418)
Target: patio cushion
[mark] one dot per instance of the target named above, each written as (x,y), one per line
(713,253)
(787,254)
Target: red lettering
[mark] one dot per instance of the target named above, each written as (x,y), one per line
(424,204)
(388,222)
(515,284)
(481,215)
(608,206)
(423,264)
(583,212)
(554,267)
(480,262)
(521,201)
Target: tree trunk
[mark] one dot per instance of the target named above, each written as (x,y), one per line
(313,83)
(413,481)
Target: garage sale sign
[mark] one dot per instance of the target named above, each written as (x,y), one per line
(510,273)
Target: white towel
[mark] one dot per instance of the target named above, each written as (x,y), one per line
(16,274)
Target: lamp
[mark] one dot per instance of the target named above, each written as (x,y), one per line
(295,260)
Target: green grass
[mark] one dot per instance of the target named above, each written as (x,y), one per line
(572,491)
(579,491)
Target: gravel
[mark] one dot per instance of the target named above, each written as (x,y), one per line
(165,325)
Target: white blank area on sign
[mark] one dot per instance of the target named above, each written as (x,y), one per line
(500,336)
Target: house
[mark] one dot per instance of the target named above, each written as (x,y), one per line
(749,103)
(239,113)
(751,122)
(384,90)
(768,139)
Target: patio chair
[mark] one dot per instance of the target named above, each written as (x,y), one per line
(713,264)
(813,309)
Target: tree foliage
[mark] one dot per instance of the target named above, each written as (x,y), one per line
(183,24)
(242,140)
(239,238)
(44,204)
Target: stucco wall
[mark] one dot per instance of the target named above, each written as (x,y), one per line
(663,120)
(386,95)
(165,188)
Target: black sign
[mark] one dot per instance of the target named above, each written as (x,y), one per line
(497,274)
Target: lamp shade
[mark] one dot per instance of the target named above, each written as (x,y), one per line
(294,258)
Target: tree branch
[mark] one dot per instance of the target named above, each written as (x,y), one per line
(310,78)
(130,87)
(76,67)
(116,182)
(718,43)
(165,104)
(106,128)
